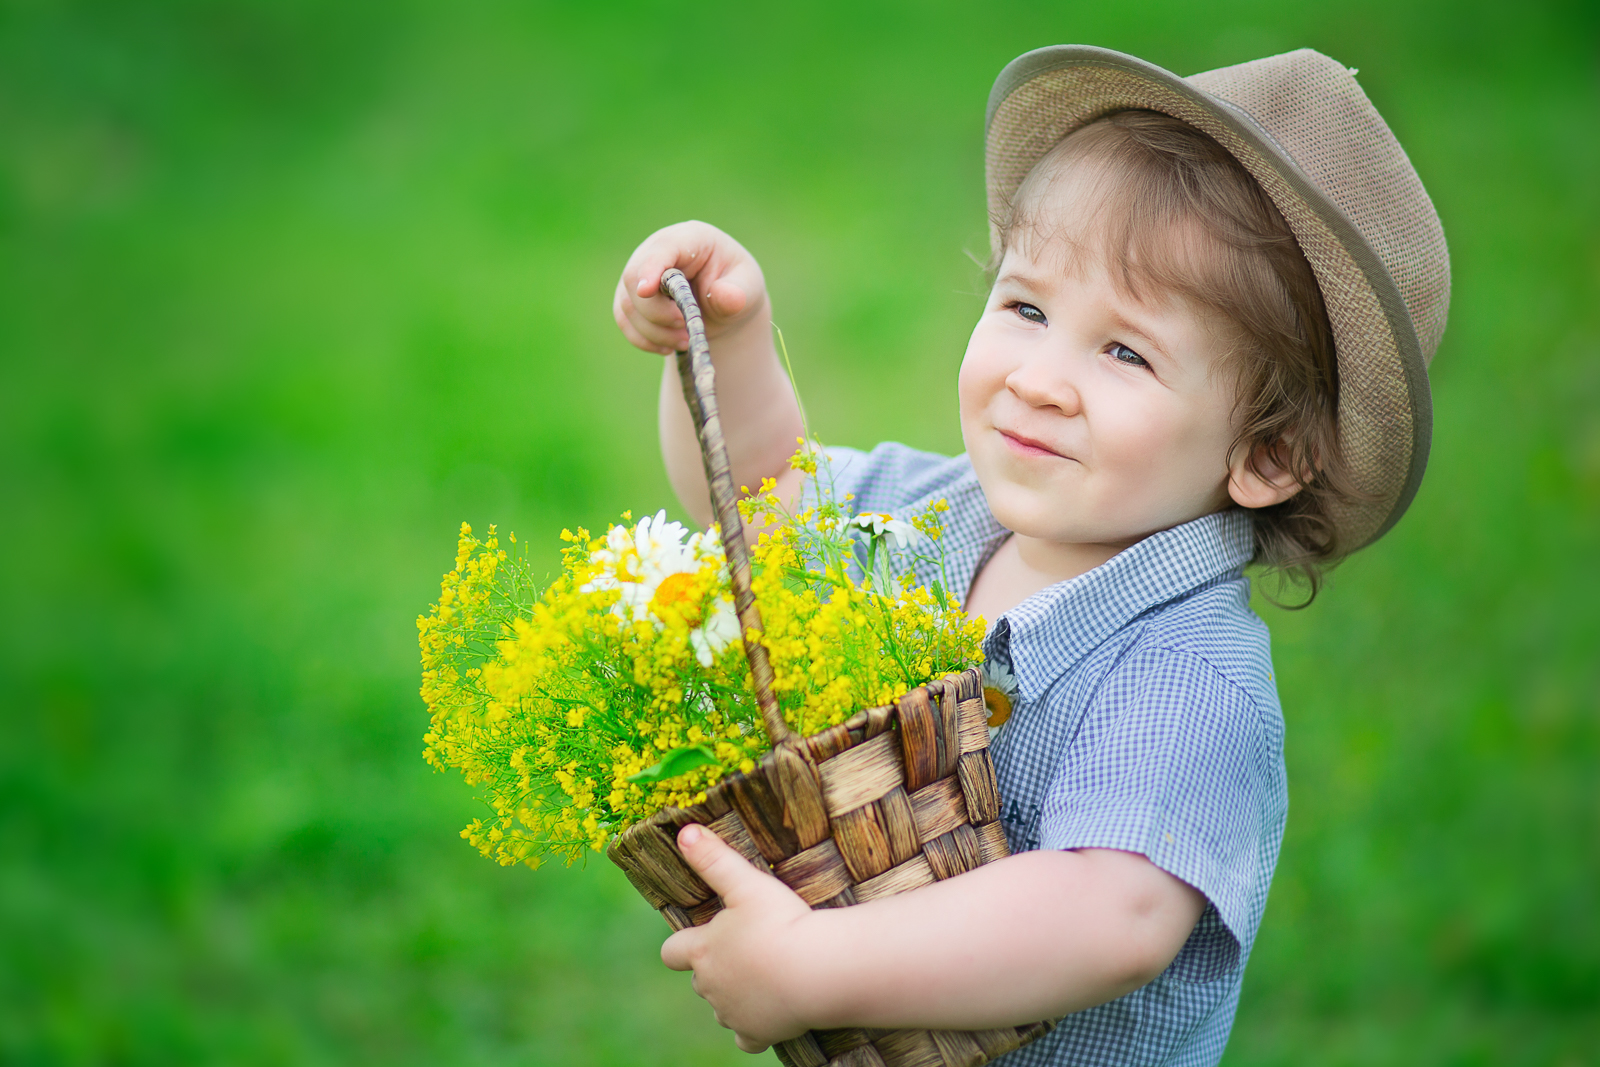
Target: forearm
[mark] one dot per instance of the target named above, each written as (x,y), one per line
(759,412)
(1035,936)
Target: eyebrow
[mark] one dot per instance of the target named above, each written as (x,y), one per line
(1125,325)
(1030,282)
(1021,277)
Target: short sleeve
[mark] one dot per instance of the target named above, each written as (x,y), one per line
(1176,762)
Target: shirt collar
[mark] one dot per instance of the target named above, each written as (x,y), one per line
(1048,633)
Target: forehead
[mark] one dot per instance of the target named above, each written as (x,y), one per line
(1085,218)
(1072,234)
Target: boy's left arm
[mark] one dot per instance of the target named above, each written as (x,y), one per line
(1033,936)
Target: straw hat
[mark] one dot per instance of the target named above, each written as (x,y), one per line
(1304,129)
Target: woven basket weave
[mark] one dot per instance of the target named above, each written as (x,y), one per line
(892,799)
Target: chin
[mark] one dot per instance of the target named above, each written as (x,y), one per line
(1048,520)
(1028,517)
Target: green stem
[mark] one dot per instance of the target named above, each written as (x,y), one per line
(888,639)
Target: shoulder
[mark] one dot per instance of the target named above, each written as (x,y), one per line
(892,474)
(1207,642)
(1190,685)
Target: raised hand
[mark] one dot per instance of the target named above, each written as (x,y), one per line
(727,282)
(760,416)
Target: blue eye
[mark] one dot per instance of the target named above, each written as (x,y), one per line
(1030,313)
(1124,354)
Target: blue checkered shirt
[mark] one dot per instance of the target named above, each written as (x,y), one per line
(1146,720)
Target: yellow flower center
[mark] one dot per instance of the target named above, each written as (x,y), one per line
(680,593)
(999,706)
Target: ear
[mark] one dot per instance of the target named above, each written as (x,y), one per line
(1263,482)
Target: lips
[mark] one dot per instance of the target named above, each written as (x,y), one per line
(1024,445)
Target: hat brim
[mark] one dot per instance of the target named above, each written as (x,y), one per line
(1385,407)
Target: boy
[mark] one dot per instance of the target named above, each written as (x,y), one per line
(1206,345)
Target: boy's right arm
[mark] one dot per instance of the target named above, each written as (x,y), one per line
(760,416)
(1036,935)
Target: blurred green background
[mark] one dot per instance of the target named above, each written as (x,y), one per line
(292,288)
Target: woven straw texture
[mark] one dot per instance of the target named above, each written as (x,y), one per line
(1301,125)
(892,799)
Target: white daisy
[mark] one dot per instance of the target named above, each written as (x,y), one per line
(875,524)
(997,675)
(999,694)
(637,561)
(719,631)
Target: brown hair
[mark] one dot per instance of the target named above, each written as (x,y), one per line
(1159,178)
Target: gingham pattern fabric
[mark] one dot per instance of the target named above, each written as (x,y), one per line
(1146,720)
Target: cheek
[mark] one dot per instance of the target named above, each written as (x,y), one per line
(981,374)
(1154,436)
(1177,452)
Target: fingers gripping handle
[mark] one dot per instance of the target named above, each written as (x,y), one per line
(699,390)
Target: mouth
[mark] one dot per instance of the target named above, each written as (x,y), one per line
(1024,445)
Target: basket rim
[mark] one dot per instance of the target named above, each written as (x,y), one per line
(679,817)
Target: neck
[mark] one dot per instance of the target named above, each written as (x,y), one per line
(1056,561)
(1024,565)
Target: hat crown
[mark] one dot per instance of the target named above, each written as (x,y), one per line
(1316,111)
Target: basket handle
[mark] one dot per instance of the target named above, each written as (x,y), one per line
(699,390)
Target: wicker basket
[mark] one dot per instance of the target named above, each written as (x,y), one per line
(894,798)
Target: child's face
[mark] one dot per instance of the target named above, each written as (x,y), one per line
(1091,416)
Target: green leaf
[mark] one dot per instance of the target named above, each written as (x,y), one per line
(675,762)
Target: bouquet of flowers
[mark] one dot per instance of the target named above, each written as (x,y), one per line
(582,706)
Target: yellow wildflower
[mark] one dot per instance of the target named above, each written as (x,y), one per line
(565,705)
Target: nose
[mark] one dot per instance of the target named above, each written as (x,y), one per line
(1043,383)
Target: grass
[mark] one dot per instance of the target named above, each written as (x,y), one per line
(290,289)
